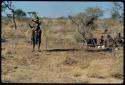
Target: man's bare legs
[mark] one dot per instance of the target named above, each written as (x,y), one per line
(39,47)
(33,47)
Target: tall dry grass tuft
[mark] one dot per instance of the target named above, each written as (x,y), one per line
(99,69)
(117,66)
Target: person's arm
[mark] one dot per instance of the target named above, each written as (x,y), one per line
(30,26)
(34,21)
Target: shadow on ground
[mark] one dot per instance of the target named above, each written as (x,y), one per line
(61,50)
(99,50)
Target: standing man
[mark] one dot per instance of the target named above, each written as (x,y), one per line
(36,33)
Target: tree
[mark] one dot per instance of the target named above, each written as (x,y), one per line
(3,7)
(117,11)
(95,12)
(19,13)
(32,14)
(8,5)
(86,24)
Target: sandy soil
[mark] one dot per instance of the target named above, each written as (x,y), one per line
(69,65)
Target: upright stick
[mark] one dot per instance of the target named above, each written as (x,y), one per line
(45,38)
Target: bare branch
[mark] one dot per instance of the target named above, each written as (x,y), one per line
(8,4)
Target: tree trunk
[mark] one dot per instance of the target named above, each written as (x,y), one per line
(14,20)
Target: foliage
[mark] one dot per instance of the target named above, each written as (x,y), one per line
(19,13)
(8,5)
(86,24)
(3,7)
(32,14)
(95,12)
(117,12)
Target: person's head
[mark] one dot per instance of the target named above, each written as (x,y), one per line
(102,37)
(37,18)
(108,36)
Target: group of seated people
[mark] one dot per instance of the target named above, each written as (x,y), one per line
(107,41)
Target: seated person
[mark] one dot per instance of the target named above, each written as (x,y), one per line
(119,38)
(102,41)
(109,41)
(119,41)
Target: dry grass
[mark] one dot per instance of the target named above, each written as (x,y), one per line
(99,69)
(117,66)
(74,65)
